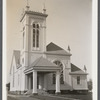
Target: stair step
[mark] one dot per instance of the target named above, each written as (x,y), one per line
(29,92)
(40,91)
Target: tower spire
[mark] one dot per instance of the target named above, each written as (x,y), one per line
(69,48)
(27,5)
(85,69)
(44,9)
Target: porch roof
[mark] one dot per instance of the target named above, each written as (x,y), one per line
(43,64)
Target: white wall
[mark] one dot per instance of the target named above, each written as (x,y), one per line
(83,82)
(67,68)
(19,78)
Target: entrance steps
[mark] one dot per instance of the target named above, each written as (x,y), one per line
(43,92)
(39,91)
(28,92)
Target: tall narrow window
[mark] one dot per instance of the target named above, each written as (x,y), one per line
(61,75)
(61,78)
(35,35)
(37,25)
(78,79)
(33,25)
(54,78)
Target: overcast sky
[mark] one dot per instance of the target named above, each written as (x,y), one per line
(69,22)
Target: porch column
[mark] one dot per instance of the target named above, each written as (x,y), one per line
(34,82)
(29,83)
(26,82)
(58,82)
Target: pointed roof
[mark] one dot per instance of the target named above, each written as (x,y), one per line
(17,56)
(56,50)
(41,62)
(76,70)
(53,47)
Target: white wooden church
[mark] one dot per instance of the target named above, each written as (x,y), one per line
(40,67)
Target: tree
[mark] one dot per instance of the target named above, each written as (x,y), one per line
(90,84)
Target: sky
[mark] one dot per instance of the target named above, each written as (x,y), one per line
(69,22)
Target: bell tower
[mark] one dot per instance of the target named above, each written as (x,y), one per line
(33,33)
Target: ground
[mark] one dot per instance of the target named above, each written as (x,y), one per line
(52,97)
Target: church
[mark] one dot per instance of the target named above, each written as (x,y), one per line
(40,68)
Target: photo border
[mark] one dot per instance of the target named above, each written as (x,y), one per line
(2,76)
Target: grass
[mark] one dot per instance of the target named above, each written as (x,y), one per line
(56,97)
(79,96)
(74,96)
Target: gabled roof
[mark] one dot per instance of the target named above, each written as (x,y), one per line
(42,62)
(17,56)
(56,50)
(76,70)
(53,47)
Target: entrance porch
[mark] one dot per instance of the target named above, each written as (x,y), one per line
(36,81)
(35,75)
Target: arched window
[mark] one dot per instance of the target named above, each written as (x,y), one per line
(33,25)
(36,35)
(61,75)
(37,25)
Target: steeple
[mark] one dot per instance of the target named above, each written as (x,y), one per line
(44,9)
(27,6)
(69,48)
(85,69)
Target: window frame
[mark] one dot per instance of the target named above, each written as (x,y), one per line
(35,36)
(78,80)
(54,78)
(61,75)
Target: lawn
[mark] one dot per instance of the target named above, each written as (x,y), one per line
(79,96)
(64,97)
(54,97)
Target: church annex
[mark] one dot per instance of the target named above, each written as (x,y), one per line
(39,68)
